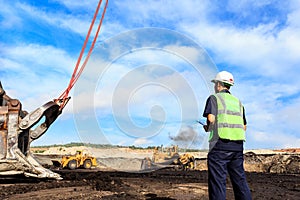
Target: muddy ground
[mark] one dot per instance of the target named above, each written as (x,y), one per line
(160,184)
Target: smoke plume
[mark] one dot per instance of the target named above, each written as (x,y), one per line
(187,137)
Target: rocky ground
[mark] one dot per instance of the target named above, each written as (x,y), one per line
(270,176)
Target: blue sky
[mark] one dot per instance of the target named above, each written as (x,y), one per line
(148,77)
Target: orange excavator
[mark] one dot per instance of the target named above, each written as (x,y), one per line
(19,128)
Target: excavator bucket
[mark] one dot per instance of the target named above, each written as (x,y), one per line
(16,134)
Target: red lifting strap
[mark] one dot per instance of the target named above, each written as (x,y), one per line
(63,98)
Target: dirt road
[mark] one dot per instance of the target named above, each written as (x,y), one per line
(161,184)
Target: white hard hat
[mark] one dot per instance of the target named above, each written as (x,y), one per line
(224,77)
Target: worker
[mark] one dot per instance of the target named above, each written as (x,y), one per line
(226,123)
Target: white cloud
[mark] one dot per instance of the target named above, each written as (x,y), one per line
(79,5)
(269,51)
(271,110)
(35,74)
(269,55)
(39,56)
(264,58)
(294,15)
(141,142)
(275,140)
(147,12)
(76,23)
(136,75)
(10,18)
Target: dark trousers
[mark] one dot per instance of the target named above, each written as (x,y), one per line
(219,163)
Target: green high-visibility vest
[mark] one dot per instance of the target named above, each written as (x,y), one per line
(230,122)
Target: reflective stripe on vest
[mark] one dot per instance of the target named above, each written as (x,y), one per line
(230,122)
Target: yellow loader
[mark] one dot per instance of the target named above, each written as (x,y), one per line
(79,160)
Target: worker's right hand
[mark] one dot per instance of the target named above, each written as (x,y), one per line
(205,127)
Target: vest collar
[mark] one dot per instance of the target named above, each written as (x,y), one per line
(225,91)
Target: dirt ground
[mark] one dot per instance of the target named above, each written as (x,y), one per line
(160,184)
(270,176)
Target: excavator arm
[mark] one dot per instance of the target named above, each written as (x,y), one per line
(17,130)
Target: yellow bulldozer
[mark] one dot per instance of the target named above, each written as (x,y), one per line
(165,154)
(79,160)
(186,161)
(168,157)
